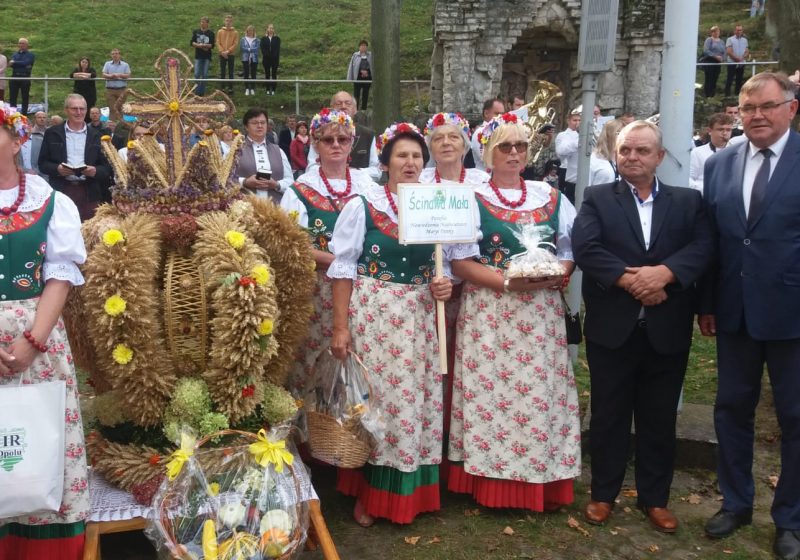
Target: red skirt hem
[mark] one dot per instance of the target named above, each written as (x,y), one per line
(13,547)
(388,505)
(499,493)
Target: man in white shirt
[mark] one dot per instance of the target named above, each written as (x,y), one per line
(719,134)
(491,108)
(737,50)
(567,152)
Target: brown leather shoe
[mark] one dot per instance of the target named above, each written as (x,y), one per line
(662,519)
(597,513)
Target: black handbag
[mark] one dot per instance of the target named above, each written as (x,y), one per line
(573,323)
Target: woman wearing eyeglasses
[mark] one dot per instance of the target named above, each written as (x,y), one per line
(384,310)
(514,426)
(318,197)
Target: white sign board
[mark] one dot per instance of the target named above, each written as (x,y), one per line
(436,213)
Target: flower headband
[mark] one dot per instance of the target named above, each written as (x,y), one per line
(487,131)
(440,119)
(331,116)
(14,121)
(393,130)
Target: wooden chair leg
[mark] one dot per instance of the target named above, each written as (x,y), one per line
(91,544)
(321,530)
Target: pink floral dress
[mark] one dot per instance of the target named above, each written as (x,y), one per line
(42,241)
(515,425)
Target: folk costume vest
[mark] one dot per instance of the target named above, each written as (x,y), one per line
(322,214)
(385,259)
(499,244)
(23,241)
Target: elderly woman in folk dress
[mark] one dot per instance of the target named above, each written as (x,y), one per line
(447,135)
(41,247)
(384,309)
(515,427)
(317,198)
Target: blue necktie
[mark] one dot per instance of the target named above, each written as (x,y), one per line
(759,192)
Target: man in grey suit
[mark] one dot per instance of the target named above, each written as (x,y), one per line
(752,303)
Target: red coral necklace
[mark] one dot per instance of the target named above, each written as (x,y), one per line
(504,200)
(438,178)
(328,186)
(8,210)
(392,203)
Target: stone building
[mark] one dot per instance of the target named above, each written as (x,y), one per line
(487,48)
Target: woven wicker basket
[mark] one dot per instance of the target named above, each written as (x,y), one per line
(185,311)
(332,443)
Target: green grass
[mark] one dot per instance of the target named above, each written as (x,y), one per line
(317,36)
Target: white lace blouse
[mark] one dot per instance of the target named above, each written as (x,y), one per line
(65,248)
(351,229)
(538,196)
(359,178)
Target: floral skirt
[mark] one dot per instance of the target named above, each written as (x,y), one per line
(320,330)
(394,333)
(515,421)
(49,535)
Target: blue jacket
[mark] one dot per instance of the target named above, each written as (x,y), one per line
(21,63)
(757,277)
(247,51)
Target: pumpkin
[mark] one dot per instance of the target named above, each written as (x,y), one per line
(240,546)
(276,519)
(273,542)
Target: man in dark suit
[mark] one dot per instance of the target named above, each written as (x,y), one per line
(753,304)
(641,245)
(286,135)
(270,57)
(71,157)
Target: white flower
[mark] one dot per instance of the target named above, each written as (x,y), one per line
(232,515)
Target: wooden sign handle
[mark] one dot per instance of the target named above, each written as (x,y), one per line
(440,319)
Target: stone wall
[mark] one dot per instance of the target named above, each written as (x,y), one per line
(486,48)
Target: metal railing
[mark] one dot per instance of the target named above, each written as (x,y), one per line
(296,81)
(753,64)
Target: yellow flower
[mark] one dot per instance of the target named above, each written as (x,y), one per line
(213,488)
(115,306)
(265,328)
(174,106)
(105,138)
(236,132)
(260,274)
(294,215)
(208,132)
(112,236)
(122,354)
(131,144)
(235,238)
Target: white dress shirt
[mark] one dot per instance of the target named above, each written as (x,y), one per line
(753,160)
(645,209)
(263,165)
(697,164)
(76,148)
(567,143)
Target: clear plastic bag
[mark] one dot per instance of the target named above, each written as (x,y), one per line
(342,411)
(538,261)
(245,501)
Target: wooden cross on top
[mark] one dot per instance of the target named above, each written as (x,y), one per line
(176,104)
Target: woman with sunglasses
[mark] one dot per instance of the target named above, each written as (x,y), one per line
(317,198)
(384,310)
(515,426)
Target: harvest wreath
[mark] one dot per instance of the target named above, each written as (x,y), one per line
(195,299)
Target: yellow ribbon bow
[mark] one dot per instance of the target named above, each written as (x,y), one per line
(265,452)
(180,456)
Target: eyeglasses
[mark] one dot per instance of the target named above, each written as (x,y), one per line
(342,140)
(505,147)
(765,108)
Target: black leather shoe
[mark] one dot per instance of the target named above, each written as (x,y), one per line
(787,544)
(725,523)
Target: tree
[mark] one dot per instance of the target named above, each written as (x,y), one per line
(386,57)
(783,25)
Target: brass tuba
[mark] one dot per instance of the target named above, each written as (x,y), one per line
(540,112)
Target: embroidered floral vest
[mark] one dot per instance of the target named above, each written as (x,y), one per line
(499,243)
(383,257)
(322,213)
(23,241)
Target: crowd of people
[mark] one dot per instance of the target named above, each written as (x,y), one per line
(503,424)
